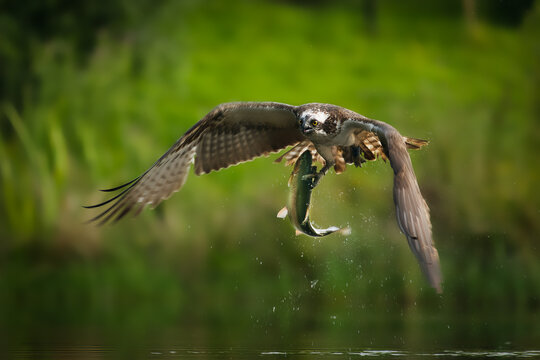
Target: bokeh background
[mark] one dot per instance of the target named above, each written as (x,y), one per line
(93,93)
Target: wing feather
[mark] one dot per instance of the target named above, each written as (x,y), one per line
(378,139)
(294,153)
(231,133)
(240,137)
(411,208)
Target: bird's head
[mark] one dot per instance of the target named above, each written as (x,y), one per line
(314,122)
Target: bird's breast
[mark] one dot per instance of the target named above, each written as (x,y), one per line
(344,138)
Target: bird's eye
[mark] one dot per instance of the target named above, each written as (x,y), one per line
(314,122)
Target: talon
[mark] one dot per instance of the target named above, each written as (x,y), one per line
(309,176)
(315,178)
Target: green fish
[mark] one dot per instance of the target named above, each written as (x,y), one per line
(302,182)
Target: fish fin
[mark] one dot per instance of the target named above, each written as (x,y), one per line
(297,232)
(282,213)
(346,231)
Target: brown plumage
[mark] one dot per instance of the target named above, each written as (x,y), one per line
(236,132)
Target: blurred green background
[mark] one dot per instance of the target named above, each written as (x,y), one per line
(92,94)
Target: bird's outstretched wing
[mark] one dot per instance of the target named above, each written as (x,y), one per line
(230,134)
(411,209)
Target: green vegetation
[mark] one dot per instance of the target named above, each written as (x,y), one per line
(93,118)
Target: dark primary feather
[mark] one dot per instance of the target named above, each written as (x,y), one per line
(231,133)
(120,186)
(115,197)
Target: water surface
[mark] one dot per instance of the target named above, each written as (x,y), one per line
(425,337)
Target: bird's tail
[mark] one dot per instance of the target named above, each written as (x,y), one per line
(414,144)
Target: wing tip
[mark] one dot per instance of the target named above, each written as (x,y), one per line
(120,186)
(432,272)
(110,214)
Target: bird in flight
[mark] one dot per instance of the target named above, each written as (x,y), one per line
(237,132)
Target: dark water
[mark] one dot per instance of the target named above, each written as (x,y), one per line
(380,337)
(94,352)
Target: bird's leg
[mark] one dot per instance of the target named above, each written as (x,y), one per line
(316,176)
(329,161)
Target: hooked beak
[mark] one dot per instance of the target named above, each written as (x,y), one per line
(306,128)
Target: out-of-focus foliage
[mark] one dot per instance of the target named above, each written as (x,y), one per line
(92,95)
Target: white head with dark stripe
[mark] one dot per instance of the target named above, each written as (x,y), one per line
(318,120)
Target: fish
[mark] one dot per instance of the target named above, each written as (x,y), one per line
(301,183)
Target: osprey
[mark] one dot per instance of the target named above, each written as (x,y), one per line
(237,132)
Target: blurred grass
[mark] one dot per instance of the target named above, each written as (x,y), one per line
(472,92)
